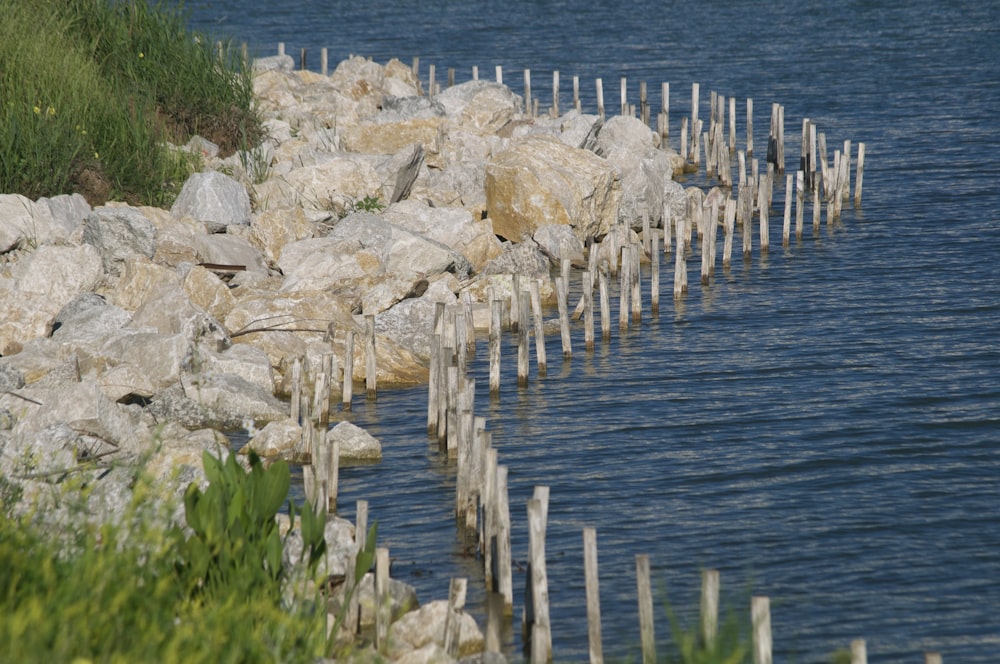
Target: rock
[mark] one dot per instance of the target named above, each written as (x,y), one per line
(454,227)
(339,536)
(542,180)
(215,199)
(158,358)
(524,258)
(88,319)
(356,443)
(412,321)
(558,242)
(207,291)
(278,439)
(17,225)
(274,62)
(230,399)
(481,107)
(426,625)
(140,280)
(402,599)
(272,229)
(249,363)
(331,186)
(227,249)
(117,233)
(43,282)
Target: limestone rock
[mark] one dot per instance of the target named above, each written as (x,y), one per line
(542,180)
(214,199)
(425,625)
(272,229)
(278,439)
(228,249)
(117,233)
(356,443)
(558,242)
(207,291)
(454,227)
(232,400)
(140,280)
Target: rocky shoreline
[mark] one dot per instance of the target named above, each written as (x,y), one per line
(140,335)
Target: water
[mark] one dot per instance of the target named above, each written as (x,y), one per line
(822,425)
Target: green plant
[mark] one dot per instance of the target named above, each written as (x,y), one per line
(366,204)
(730,646)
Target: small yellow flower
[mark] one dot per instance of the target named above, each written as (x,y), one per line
(37,110)
(97,156)
(141,55)
(50,111)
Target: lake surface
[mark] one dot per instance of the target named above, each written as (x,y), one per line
(822,425)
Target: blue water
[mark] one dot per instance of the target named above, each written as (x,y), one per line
(822,425)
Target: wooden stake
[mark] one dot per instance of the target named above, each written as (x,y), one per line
(383,602)
(496,314)
(760,615)
(370,370)
(453,618)
(859,175)
(522,340)
(348,390)
(859,652)
(593,595)
(536,309)
(646,631)
(709,607)
(567,344)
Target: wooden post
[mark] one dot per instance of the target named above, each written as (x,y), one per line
(475,72)
(932,658)
(665,114)
(635,279)
(646,631)
(432,385)
(537,619)
(332,470)
(600,98)
(624,288)
(730,227)
(504,582)
(430,80)
(680,261)
(786,227)
(527,92)
(859,652)
(348,391)
(499,74)
(709,607)
(494,621)
(353,615)
(536,308)
(746,213)
(643,104)
(324,61)
(370,370)
(383,601)
(816,209)
(654,272)
(800,200)
(760,615)
(522,340)
(555,94)
(451,76)
(567,344)
(576,94)
(859,175)
(765,241)
(605,305)
(296,389)
(623,96)
(496,314)
(695,131)
(453,618)
(593,595)
(515,307)
(749,128)
(470,324)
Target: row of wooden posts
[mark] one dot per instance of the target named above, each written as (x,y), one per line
(695,139)
(481,507)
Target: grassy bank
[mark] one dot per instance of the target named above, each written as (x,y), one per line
(218,591)
(92,90)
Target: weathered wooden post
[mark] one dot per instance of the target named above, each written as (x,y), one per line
(370,369)
(453,618)
(859,652)
(541,358)
(496,314)
(709,607)
(760,615)
(348,390)
(383,602)
(646,631)
(593,595)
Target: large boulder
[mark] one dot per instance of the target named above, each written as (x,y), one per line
(214,199)
(426,625)
(541,180)
(481,107)
(356,443)
(454,227)
(119,232)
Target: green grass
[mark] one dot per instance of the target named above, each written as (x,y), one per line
(91,90)
(146,593)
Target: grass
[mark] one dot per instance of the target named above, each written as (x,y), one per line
(91,92)
(145,593)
